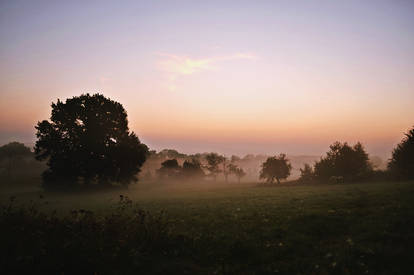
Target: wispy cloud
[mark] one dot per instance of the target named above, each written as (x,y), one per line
(175,65)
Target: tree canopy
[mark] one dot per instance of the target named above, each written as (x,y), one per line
(237,171)
(169,169)
(88,139)
(401,163)
(277,167)
(342,160)
(213,162)
(192,169)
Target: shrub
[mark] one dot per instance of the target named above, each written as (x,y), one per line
(121,241)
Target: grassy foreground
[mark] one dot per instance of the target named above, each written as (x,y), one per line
(206,228)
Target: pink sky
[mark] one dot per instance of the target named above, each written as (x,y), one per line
(234,78)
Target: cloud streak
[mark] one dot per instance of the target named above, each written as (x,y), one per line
(175,65)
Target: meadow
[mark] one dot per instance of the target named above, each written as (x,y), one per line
(214,228)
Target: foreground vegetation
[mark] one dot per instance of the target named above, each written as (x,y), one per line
(211,228)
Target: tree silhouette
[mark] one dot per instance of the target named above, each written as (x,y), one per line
(349,162)
(213,161)
(192,169)
(277,167)
(226,171)
(306,173)
(171,154)
(12,153)
(169,169)
(87,138)
(401,163)
(237,171)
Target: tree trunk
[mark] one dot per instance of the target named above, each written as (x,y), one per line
(224,171)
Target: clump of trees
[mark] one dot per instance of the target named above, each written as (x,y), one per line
(192,169)
(87,140)
(171,170)
(237,171)
(342,162)
(213,162)
(275,168)
(401,164)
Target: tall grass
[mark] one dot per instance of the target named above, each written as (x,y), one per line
(240,229)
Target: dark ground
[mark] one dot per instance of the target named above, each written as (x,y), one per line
(207,228)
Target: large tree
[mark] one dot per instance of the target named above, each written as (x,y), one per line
(87,138)
(401,163)
(276,168)
(342,160)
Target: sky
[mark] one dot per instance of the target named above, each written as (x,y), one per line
(234,77)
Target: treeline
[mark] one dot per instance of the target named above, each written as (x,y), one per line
(198,166)
(87,142)
(342,163)
(346,163)
(249,163)
(230,168)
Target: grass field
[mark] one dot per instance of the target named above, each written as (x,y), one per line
(364,228)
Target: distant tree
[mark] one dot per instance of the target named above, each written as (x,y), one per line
(226,171)
(234,158)
(169,169)
(13,153)
(306,173)
(88,138)
(401,163)
(192,169)
(171,154)
(347,162)
(237,171)
(277,167)
(213,162)
(240,173)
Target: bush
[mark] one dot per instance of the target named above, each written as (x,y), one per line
(126,239)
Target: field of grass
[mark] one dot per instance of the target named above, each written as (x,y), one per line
(364,228)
